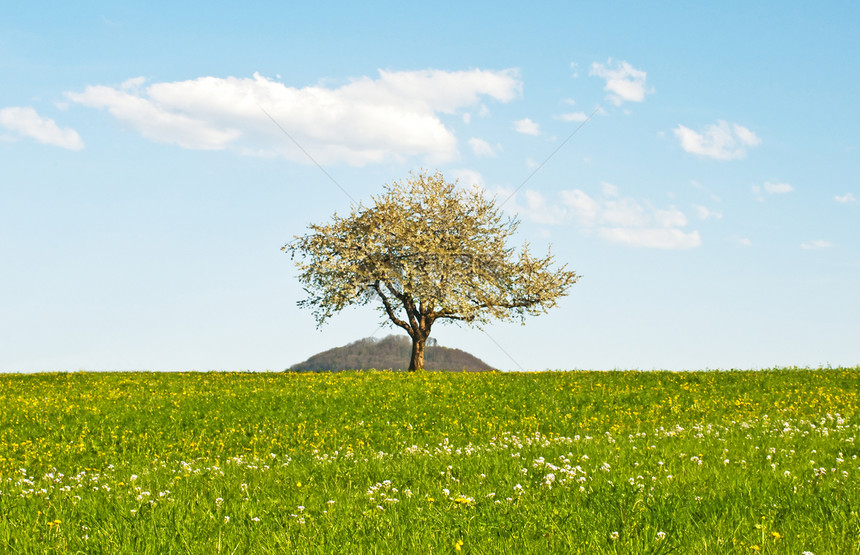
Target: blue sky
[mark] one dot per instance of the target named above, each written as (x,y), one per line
(710,203)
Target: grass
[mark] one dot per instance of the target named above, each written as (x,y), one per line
(380,462)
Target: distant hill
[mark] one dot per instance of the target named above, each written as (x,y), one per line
(390,353)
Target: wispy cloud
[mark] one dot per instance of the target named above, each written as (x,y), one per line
(705,213)
(481,148)
(721,141)
(652,238)
(574,116)
(777,188)
(527,127)
(26,122)
(846,198)
(613,217)
(365,121)
(771,189)
(469,179)
(624,83)
(815,245)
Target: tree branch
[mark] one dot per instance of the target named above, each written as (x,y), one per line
(408,305)
(397,321)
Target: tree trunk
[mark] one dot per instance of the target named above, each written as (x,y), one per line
(416,363)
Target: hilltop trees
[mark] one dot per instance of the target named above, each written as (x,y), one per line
(425,251)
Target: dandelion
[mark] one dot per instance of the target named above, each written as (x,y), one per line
(459,545)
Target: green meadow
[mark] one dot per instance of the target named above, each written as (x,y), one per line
(382,462)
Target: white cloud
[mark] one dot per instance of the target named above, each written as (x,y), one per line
(705,213)
(654,238)
(364,121)
(481,147)
(624,83)
(745,136)
(626,212)
(573,68)
(771,189)
(609,189)
(722,141)
(527,127)
(26,122)
(614,218)
(847,197)
(540,210)
(670,217)
(583,208)
(469,178)
(777,188)
(745,242)
(815,245)
(158,122)
(574,116)
(133,84)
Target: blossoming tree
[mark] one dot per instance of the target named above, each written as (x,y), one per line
(425,251)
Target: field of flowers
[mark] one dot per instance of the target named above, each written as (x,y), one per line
(381,462)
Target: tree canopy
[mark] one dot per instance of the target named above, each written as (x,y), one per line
(425,250)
